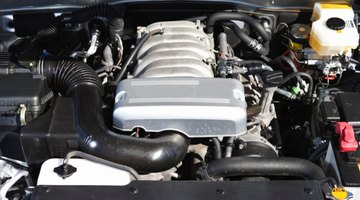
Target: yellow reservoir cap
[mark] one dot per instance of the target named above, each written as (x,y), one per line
(339,193)
(334,6)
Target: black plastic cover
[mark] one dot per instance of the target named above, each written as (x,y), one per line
(22,89)
(30,24)
(349,107)
(50,135)
(330,112)
(189,190)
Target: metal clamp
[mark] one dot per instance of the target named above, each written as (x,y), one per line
(22,113)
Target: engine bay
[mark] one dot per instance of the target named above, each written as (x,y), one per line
(132,98)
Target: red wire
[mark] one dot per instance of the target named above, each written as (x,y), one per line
(120,58)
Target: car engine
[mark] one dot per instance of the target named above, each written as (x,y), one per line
(136,100)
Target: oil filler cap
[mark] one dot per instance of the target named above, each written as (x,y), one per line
(335,24)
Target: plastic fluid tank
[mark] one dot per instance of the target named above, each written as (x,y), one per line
(333,29)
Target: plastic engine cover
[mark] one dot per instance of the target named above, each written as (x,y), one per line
(196,107)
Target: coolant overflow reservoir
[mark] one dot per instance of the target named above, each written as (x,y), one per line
(333,29)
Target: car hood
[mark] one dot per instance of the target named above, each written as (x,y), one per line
(31,5)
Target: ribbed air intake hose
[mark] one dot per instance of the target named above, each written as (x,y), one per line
(114,17)
(77,80)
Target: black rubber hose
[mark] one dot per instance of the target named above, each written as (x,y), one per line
(52,30)
(249,62)
(265,49)
(79,81)
(253,44)
(229,147)
(318,152)
(225,16)
(290,63)
(251,166)
(130,58)
(302,74)
(66,75)
(217,148)
(116,23)
(113,16)
(275,129)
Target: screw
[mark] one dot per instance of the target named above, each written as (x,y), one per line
(134,190)
(47,189)
(220,191)
(65,168)
(308,191)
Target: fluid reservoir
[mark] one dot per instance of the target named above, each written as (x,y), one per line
(333,29)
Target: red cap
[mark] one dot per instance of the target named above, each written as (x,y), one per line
(347,139)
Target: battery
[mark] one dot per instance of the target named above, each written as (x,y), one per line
(346,164)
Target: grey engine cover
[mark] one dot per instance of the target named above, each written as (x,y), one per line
(196,107)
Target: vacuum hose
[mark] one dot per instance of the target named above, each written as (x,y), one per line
(79,81)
